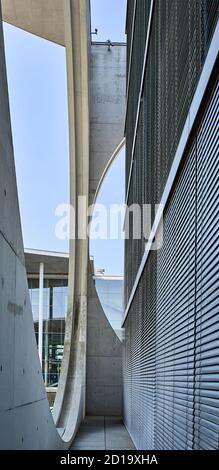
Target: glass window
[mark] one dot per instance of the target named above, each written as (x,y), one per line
(55,297)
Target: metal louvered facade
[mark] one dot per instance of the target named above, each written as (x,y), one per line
(171,346)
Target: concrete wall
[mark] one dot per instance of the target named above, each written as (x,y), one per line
(39,17)
(107,107)
(25,417)
(69,406)
(104,360)
(107,113)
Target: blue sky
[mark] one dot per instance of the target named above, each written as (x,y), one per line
(108,16)
(109,254)
(36,72)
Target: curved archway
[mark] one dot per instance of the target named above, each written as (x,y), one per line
(108,252)
(107,168)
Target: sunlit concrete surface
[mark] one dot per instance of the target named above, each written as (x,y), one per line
(55,263)
(102,433)
(104,360)
(25,417)
(107,108)
(44,18)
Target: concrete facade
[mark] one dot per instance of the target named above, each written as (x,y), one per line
(104,348)
(104,360)
(44,19)
(107,109)
(26,420)
(54,263)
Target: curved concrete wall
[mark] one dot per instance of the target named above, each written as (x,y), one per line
(104,360)
(69,407)
(26,420)
(107,113)
(25,417)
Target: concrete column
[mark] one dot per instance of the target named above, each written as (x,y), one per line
(46,369)
(40,327)
(70,406)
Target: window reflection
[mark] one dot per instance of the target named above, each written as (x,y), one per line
(55,293)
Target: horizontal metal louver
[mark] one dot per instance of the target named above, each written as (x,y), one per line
(136,64)
(206,424)
(171,346)
(175,306)
(139,361)
(180,37)
(171,352)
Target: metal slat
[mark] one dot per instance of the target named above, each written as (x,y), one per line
(171,348)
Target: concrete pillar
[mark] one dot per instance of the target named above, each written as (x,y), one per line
(40,326)
(46,369)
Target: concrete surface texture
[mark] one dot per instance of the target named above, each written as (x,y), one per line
(55,263)
(104,360)
(69,406)
(26,420)
(102,433)
(39,17)
(107,109)
(25,417)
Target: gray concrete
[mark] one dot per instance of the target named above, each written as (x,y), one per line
(39,17)
(69,406)
(25,417)
(104,360)
(107,112)
(102,433)
(107,108)
(55,263)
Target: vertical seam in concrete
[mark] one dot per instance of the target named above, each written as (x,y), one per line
(104,424)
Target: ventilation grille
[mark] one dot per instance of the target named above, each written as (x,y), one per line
(171,352)
(180,38)
(140,31)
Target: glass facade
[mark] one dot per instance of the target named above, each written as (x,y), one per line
(55,297)
(55,293)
